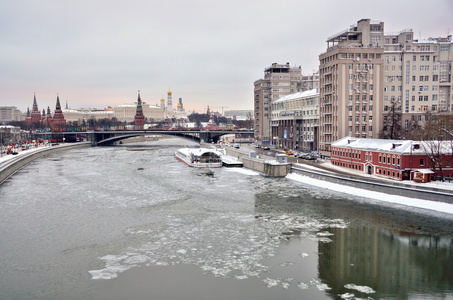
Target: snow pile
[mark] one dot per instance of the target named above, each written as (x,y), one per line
(400,200)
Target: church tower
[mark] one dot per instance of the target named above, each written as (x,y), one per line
(139,117)
(169,104)
(58,120)
(162,104)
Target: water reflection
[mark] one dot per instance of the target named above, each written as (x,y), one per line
(382,253)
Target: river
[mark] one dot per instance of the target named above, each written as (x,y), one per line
(132,222)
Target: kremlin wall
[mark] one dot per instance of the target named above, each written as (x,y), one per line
(123,113)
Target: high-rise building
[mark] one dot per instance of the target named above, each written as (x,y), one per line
(417,79)
(310,82)
(351,84)
(279,80)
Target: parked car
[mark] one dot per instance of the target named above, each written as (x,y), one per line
(266,148)
(289,152)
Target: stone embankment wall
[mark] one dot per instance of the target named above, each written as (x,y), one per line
(261,164)
(391,188)
(11,166)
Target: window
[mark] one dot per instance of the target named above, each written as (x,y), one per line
(426,78)
(414,58)
(421,78)
(435,78)
(370,128)
(422,162)
(443,48)
(370,107)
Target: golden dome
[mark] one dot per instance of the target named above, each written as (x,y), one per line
(179,105)
(169,92)
(162,99)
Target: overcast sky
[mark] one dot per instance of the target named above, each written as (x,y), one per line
(99,53)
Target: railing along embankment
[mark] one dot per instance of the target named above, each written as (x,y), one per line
(12,165)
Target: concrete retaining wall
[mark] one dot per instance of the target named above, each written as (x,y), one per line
(260,165)
(389,188)
(14,164)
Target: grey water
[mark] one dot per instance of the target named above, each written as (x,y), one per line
(132,222)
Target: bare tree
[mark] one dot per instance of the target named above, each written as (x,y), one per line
(392,122)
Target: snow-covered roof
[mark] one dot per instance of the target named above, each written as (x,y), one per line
(424,171)
(396,146)
(298,95)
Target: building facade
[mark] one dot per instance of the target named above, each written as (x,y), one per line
(417,79)
(279,80)
(394,159)
(310,82)
(294,121)
(10,113)
(351,84)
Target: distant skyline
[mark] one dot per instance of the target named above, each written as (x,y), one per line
(100,53)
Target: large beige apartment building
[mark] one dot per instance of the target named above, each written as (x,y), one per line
(368,78)
(351,84)
(279,80)
(417,79)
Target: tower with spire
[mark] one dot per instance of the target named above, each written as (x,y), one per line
(58,120)
(139,117)
(35,115)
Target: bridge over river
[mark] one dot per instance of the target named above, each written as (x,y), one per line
(109,137)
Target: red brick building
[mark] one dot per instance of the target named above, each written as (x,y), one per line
(395,159)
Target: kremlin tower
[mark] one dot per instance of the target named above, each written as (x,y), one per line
(139,117)
(58,120)
(35,115)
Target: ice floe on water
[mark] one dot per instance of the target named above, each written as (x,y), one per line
(360,288)
(226,245)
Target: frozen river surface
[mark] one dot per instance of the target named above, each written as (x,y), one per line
(134,223)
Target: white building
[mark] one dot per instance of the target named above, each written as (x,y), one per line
(295,121)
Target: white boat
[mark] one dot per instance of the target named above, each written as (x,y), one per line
(199,158)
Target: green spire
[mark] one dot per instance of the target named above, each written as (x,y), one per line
(58,101)
(139,102)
